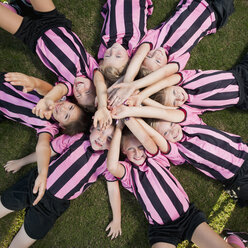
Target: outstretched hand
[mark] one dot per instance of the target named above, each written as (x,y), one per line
(114,229)
(44,108)
(122,93)
(39,187)
(20,79)
(102,118)
(120,112)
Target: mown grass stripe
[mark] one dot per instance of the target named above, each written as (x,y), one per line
(218,217)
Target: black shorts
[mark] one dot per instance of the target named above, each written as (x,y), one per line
(240,71)
(178,230)
(222,9)
(38,219)
(237,186)
(33,27)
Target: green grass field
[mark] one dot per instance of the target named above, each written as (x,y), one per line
(84,223)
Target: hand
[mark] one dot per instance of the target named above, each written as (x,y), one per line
(102,118)
(20,79)
(114,229)
(14,165)
(44,108)
(120,112)
(134,100)
(39,187)
(124,91)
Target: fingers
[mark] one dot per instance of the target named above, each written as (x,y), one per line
(40,188)
(38,112)
(114,233)
(12,166)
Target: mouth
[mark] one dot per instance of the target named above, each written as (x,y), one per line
(98,144)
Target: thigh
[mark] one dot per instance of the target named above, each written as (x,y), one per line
(163,245)
(205,237)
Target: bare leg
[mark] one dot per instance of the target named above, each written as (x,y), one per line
(43,6)
(3,210)
(163,245)
(9,20)
(21,240)
(205,237)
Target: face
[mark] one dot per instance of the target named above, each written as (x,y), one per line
(66,112)
(175,96)
(155,59)
(134,150)
(84,91)
(116,56)
(101,139)
(169,130)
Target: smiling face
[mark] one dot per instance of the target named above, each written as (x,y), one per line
(169,130)
(134,150)
(66,112)
(101,139)
(175,96)
(115,56)
(155,59)
(84,91)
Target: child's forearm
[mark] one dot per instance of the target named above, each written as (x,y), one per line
(115,200)
(43,153)
(41,86)
(101,89)
(152,103)
(171,115)
(136,61)
(113,165)
(160,141)
(154,88)
(57,92)
(141,134)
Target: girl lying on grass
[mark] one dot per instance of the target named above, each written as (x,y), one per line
(17,105)
(146,174)
(80,160)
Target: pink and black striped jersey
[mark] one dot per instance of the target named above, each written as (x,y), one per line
(62,52)
(179,34)
(17,106)
(158,192)
(76,168)
(210,90)
(215,153)
(124,23)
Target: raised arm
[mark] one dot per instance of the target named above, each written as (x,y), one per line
(102,116)
(43,154)
(45,106)
(114,167)
(160,141)
(171,115)
(152,103)
(140,133)
(114,227)
(28,83)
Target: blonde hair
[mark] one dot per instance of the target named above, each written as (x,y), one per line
(159,96)
(112,74)
(144,71)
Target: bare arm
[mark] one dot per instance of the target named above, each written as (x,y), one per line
(114,167)
(152,103)
(160,141)
(171,115)
(45,106)
(28,83)
(114,226)
(140,133)
(102,116)
(154,88)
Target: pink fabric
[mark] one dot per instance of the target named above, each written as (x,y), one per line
(233,239)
